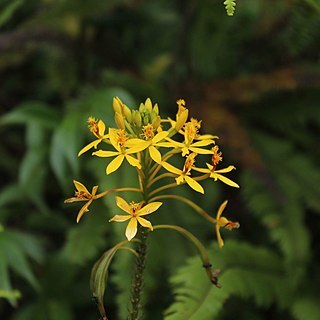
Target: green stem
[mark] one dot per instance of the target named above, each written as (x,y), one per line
(136,309)
(212,274)
(197,208)
(102,194)
(172,185)
(138,277)
(161,176)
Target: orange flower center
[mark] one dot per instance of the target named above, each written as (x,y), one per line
(148,131)
(83,195)
(189,163)
(191,130)
(93,126)
(121,137)
(216,157)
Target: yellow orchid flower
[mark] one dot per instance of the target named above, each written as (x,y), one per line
(82,194)
(98,128)
(135,211)
(119,140)
(150,142)
(223,222)
(181,116)
(190,134)
(184,175)
(216,174)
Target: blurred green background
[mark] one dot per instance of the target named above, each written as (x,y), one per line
(253,78)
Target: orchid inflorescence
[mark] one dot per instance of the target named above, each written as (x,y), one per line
(145,140)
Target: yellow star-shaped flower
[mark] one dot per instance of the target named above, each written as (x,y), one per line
(223,222)
(98,129)
(135,212)
(151,142)
(82,194)
(119,141)
(216,174)
(184,175)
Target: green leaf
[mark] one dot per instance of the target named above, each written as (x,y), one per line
(84,240)
(65,147)
(230,6)
(32,112)
(9,10)
(32,171)
(12,294)
(99,275)
(16,248)
(247,271)
(306,308)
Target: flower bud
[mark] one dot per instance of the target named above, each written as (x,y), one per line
(127,113)
(142,107)
(145,120)
(117,105)
(181,119)
(156,109)
(119,120)
(148,105)
(156,122)
(137,118)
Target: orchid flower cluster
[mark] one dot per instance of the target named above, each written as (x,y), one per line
(149,143)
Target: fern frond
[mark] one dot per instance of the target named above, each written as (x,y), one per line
(230,6)
(306,308)
(250,272)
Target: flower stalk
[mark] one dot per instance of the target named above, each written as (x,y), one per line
(147,143)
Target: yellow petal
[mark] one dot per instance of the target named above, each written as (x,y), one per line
(80,187)
(145,223)
(200,150)
(115,164)
(202,143)
(149,208)
(221,208)
(120,218)
(159,136)
(226,180)
(224,170)
(113,138)
(203,170)
(101,127)
(166,145)
(220,241)
(180,179)
(94,190)
(93,144)
(105,154)
(155,154)
(123,204)
(207,137)
(138,147)
(194,184)
(185,151)
(171,168)
(131,230)
(133,161)
(83,210)
(222,222)
(135,141)
(181,119)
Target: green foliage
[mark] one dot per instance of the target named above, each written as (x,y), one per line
(9,10)
(250,272)
(230,7)
(16,250)
(62,61)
